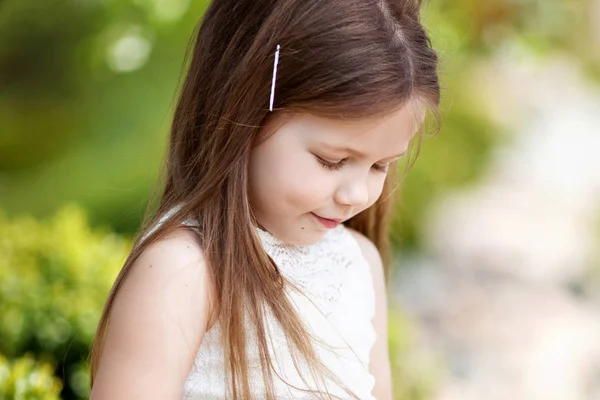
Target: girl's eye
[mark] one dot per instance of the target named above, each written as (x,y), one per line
(334,166)
(331,165)
(380,168)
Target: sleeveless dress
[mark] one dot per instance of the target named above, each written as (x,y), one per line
(337,305)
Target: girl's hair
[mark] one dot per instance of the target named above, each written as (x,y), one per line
(339,59)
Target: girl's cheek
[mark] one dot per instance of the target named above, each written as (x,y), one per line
(375,190)
(312,189)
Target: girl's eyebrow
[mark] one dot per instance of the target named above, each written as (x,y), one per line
(355,152)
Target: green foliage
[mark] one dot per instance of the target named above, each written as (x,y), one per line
(55,277)
(28,379)
(451,159)
(413,375)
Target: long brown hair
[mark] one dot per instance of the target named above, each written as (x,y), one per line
(338,59)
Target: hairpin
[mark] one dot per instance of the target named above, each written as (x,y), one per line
(274,78)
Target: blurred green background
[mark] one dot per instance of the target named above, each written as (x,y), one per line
(86,93)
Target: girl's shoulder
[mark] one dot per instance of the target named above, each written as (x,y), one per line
(179,252)
(163,298)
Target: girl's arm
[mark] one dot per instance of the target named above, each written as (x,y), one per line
(379,364)
(156,324)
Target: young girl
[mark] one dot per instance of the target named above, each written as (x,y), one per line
(259,276)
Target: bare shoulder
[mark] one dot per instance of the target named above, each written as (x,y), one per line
(177,252)
(175,264)
(157,322)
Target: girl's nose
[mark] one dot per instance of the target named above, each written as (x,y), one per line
(354,193)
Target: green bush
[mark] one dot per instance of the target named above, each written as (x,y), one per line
(28,379)
(55,276)
(414,374)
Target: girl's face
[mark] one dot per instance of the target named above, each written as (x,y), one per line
(312,173)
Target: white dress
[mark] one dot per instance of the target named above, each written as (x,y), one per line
(338,307)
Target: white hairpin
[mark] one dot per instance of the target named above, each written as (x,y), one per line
(274,78)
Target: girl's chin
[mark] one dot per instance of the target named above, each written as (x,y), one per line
(304,233)
(307,236)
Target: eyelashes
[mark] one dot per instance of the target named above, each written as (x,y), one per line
(329,165)
(338,165)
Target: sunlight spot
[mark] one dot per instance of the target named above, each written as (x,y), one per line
(129,52)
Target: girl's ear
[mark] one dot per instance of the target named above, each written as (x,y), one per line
(272,124)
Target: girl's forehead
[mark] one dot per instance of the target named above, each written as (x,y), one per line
(403,122)
(395,129)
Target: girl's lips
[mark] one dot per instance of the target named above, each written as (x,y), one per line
(328,223)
